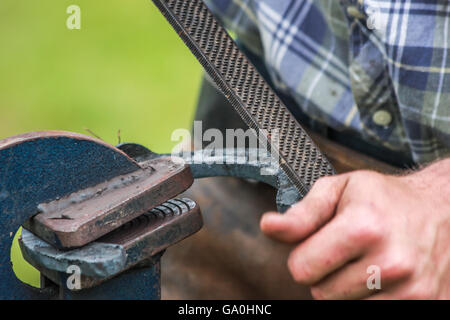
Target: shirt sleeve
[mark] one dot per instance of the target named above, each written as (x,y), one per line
(415,36)
(239,18)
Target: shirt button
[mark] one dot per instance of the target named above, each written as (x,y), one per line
(355,13)
(382,118)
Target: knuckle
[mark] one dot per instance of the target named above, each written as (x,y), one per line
(323,181)
(318,293)
(420,292)
(367,229)
(397,267)
(300,271)
(330,184)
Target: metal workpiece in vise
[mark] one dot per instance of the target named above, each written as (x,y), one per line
(245,163)
(105,214)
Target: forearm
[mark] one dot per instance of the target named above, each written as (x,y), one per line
(433,183)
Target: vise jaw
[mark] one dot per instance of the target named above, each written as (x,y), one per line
(109,211)
(136,243)
(87,204)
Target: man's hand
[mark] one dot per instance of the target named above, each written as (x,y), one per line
(348,222)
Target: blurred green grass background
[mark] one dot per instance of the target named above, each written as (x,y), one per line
(126,70)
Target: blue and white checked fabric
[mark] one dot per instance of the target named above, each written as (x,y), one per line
(376,67)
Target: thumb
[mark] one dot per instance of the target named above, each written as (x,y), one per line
(310,214)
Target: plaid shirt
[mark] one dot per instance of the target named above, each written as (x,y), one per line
(380,68)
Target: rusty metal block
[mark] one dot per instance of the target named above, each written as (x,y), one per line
(86,215)
(137,241)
